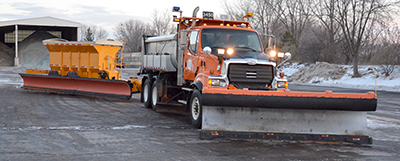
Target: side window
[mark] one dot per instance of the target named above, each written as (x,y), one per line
(193,41)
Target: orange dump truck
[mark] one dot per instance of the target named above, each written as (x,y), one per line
(219,72)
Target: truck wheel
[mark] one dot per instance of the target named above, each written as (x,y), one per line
(146,93)
(196,110)
(154,96)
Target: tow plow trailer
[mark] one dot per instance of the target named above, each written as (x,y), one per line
(315,117)
(82,68)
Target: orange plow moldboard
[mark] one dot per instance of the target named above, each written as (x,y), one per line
(79,86)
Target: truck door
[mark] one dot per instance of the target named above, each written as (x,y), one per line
(191,59)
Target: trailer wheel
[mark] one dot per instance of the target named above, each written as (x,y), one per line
(154,96)
(146,93)
(196,110)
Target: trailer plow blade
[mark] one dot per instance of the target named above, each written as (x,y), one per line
(288,116)
(78,86)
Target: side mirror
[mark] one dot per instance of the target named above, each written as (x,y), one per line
(288,56)
(207,50)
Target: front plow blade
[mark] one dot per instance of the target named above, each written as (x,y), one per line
(285,115)
(79,86)
(285,124)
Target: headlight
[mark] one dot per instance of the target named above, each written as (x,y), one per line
(217,82)
(229,51)
(272,53)
(281,84)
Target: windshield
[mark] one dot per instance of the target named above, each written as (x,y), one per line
(230,38)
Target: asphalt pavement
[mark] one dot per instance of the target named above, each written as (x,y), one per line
(44,126)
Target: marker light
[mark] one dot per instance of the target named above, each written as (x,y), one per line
(229,51)
(221,51)
(281,55)
(249,14)
(217,82)
(176,19)
(272,53)
(281,84)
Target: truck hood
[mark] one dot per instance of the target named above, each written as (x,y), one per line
(245,54)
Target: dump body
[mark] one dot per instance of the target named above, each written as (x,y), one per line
(159,53)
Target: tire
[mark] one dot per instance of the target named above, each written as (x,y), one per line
(72,75)
(154,96)
(196,109)
(53,73)
(146,93)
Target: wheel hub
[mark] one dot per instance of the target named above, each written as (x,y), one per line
(195,108)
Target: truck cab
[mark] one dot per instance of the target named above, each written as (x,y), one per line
(229,55)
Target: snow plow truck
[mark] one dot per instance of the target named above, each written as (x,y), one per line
(218,72)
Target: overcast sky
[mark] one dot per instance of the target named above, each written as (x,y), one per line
(105,14)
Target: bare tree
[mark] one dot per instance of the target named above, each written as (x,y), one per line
(92,33)
(326,28)
(294,15)
(162,22)
(311,48)
(342,27)
(264,20)
(132,31)
(355,17)
(387,50)
(101,33)
(237,9)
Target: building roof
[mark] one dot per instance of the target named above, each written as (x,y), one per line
(41,21)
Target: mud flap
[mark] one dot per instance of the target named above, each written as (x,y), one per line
(79,86)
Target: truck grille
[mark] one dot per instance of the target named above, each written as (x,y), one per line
(250,76)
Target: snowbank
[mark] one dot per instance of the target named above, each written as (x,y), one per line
(6,55)
(33,53)
(322,73)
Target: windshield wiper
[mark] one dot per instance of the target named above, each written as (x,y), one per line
(245,47)
(217,47)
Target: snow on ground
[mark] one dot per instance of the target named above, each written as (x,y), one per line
(320,73)
(326,74)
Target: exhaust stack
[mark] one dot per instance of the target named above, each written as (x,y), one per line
(194,15)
